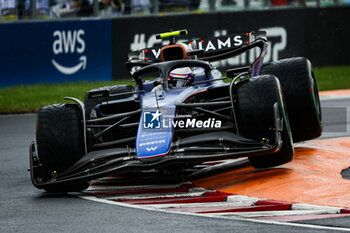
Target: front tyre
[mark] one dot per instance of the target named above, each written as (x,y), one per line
(255,100)
(59,137)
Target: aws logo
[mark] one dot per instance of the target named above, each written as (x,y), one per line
(69,42)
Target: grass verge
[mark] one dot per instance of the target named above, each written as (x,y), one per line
(29,98)
(333,78)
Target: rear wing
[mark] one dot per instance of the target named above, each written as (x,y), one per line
(213,49)
(218,45)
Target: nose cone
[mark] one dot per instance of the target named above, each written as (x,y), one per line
(155,132)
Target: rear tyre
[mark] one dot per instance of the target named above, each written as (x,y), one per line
(301,96)
(255,100)
(59,138)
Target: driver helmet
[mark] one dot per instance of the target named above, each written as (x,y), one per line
(180,77)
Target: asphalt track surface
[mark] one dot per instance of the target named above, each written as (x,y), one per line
(26,209)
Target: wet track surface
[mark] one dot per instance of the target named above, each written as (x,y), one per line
(26,209)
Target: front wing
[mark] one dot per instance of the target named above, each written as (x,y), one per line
(102,163)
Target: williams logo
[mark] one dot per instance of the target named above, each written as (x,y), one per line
(68,43)
(151,148)
(152,120)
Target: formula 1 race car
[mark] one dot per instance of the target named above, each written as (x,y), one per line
(180,115)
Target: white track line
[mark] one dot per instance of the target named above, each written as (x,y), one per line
(310,226)
(156,195)
(331,210)
(277,213)
(195,205)
(133,187)
(232,201)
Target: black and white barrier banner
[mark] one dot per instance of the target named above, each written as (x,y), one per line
(317,33)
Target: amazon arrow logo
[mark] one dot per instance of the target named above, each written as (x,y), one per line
(71,70)
(69,42)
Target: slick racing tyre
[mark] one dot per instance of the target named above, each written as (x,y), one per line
(99,95)
(255,100)
(301,95)
(59,137)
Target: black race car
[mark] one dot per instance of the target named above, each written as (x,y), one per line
(179,115)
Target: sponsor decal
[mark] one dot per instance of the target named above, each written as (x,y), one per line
(151,148)
(152,139)
(221,43)
(152,143)
(158,120)
(152,120)
(68,42)
(192,123)
(277,40)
